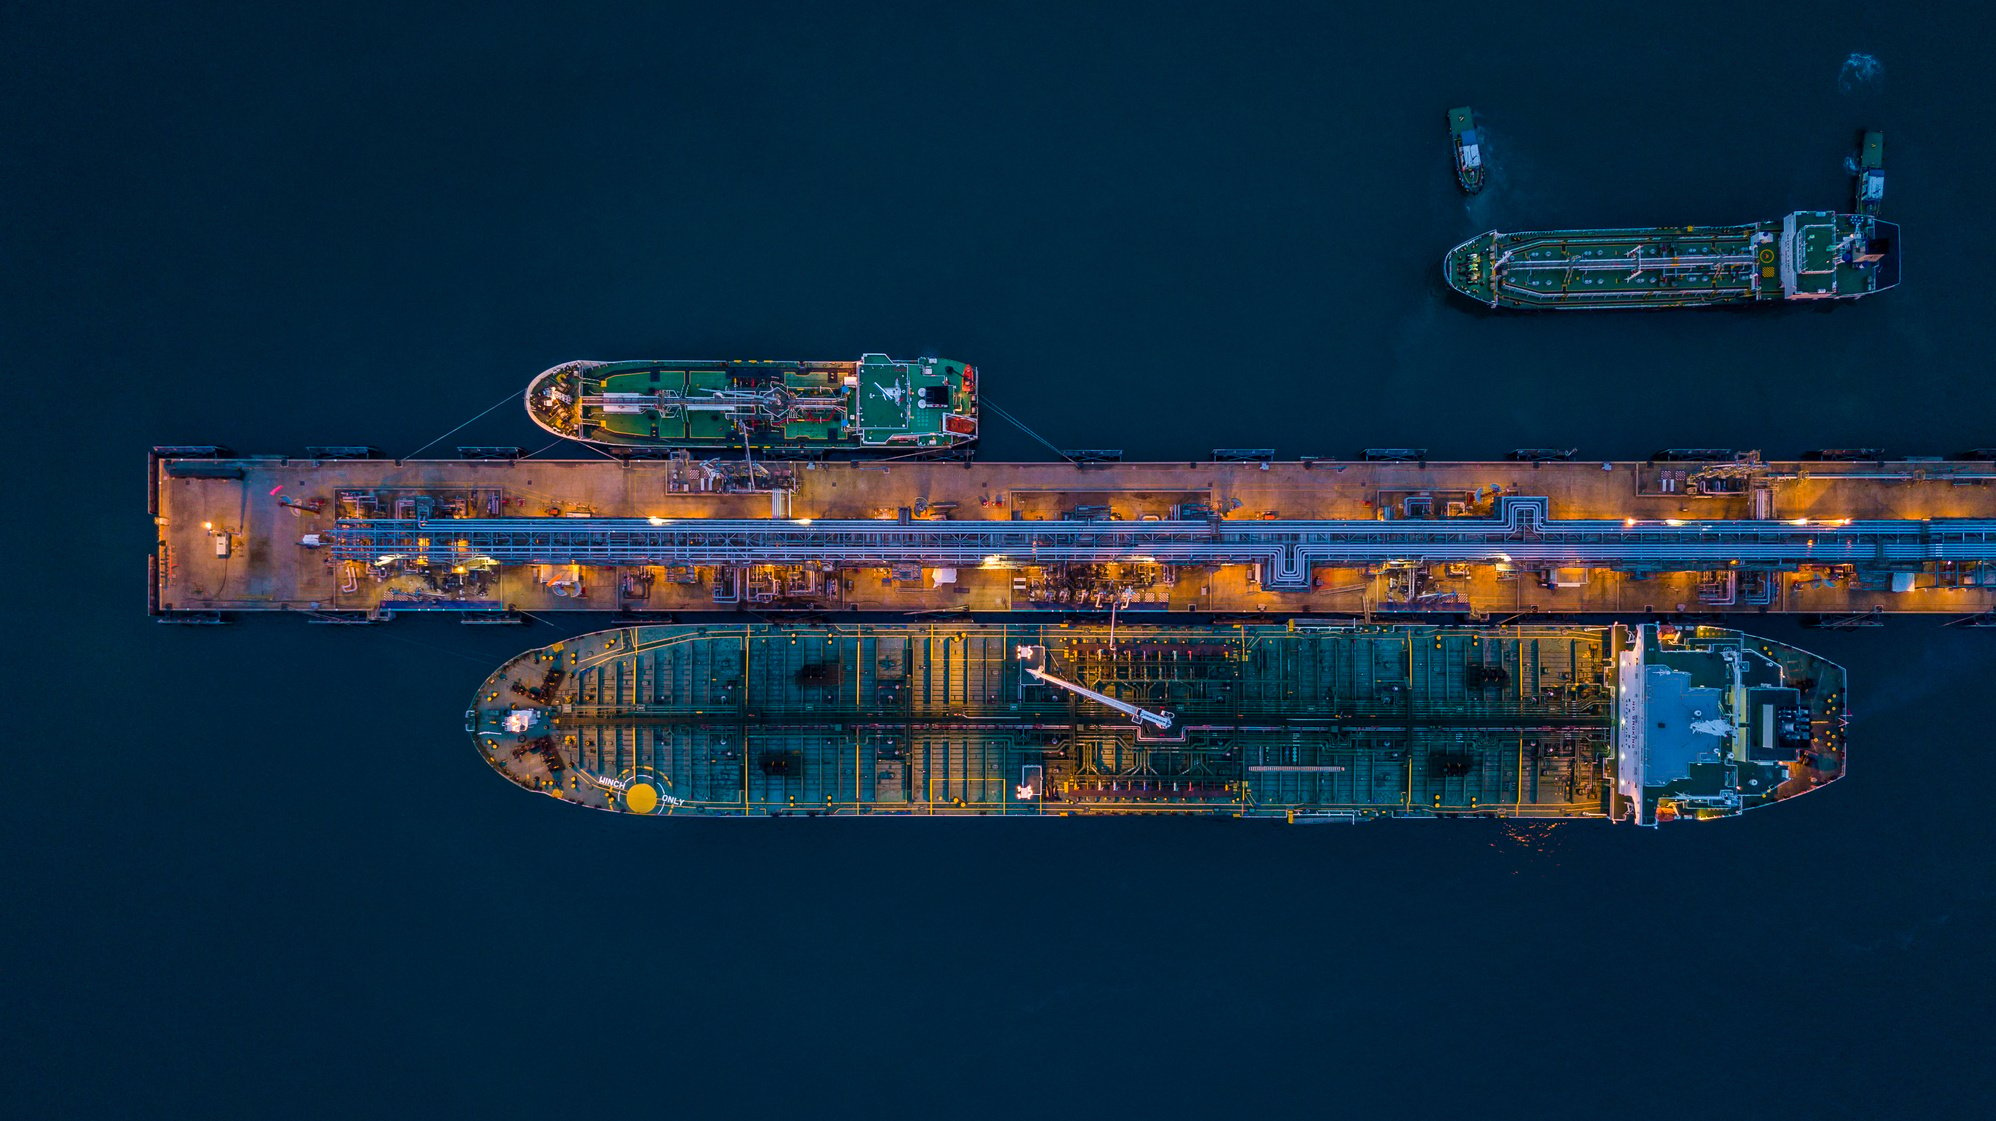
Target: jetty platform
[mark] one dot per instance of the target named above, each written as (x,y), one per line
(339,535)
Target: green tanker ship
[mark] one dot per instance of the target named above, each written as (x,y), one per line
(1809,255)
(1306,722)
(875,404)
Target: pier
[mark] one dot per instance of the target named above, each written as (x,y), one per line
(340,536)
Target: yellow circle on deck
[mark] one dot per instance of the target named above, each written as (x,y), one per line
(641,798)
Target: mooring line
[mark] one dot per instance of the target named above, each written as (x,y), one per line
(1021,426)
(461,427)
(401,638)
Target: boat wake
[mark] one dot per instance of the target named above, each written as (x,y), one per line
(1859,70)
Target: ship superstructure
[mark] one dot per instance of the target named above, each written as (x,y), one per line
(1808,255)
(1298,722)
(875,404)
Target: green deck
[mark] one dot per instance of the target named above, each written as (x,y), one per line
(1871,151)
(1807,255)
(758,720)
(1870,185)
(876,403)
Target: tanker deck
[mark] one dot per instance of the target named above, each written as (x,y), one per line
(1305,722)
(357,539)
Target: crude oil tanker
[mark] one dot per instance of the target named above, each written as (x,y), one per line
(1809,255)
(875,404)
(1303,722)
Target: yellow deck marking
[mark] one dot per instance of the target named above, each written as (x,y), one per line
(641,798)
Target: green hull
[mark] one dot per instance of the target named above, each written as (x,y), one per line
(1809,255)
(1544,722)
(874,404)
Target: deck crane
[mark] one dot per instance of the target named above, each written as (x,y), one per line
(1034,659)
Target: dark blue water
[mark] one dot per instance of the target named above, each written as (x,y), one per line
(256,871)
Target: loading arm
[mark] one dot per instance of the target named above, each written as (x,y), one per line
(1034,659)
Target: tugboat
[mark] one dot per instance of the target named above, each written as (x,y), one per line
(1871,172)
(1468,149)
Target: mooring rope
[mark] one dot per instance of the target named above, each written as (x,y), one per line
(1021,426)
(461,427)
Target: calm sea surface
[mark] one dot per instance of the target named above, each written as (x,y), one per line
(256,871)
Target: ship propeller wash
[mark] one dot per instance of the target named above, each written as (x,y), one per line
(1809,255)
(875,404)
